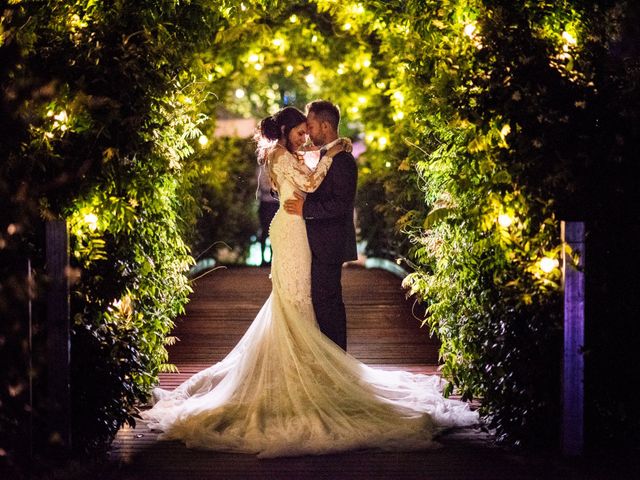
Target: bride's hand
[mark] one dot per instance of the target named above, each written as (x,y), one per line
(293,206)
(347,146)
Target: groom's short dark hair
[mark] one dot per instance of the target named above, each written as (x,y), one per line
(325,111)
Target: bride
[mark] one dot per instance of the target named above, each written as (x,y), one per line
(286,389)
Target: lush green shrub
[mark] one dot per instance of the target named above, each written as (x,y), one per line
(104,109)
(226,190)
(518,120)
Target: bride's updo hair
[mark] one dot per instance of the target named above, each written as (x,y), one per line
(276,127)
(269,128)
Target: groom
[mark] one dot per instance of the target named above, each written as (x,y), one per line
(328,213)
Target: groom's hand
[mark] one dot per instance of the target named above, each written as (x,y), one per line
(294,205)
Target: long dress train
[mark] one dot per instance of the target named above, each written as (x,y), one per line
(286,389)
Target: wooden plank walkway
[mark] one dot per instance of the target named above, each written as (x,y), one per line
(381,331)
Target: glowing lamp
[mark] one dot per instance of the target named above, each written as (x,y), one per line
(505,220)
(91,220)
(569,38)
(547,265)
(469,29)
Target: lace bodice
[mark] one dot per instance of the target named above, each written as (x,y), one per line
(283,166)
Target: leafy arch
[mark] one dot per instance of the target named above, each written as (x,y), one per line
(465,107)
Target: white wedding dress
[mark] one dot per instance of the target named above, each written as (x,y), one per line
(286,389)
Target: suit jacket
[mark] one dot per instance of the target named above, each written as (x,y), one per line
(329,212)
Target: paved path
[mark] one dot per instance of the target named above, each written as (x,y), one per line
(381,331)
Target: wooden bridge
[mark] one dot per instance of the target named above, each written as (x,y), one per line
(381,331)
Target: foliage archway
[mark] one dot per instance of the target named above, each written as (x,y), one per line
(465,106)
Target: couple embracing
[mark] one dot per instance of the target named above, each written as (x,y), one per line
(288,387)
(328,206)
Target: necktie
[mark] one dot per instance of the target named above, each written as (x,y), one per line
(322,152)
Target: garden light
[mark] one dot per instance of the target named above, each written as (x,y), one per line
(203,140)
(505,220)
(570,39)
(547,265)
(469,30)
(239,93)
(91,219)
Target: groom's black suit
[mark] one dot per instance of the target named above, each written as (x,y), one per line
(332,237)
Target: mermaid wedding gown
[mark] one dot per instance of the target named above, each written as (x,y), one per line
(286,389)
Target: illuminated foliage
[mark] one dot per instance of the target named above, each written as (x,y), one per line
(101,122)
(485,122)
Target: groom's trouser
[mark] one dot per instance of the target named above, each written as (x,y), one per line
(326,294)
